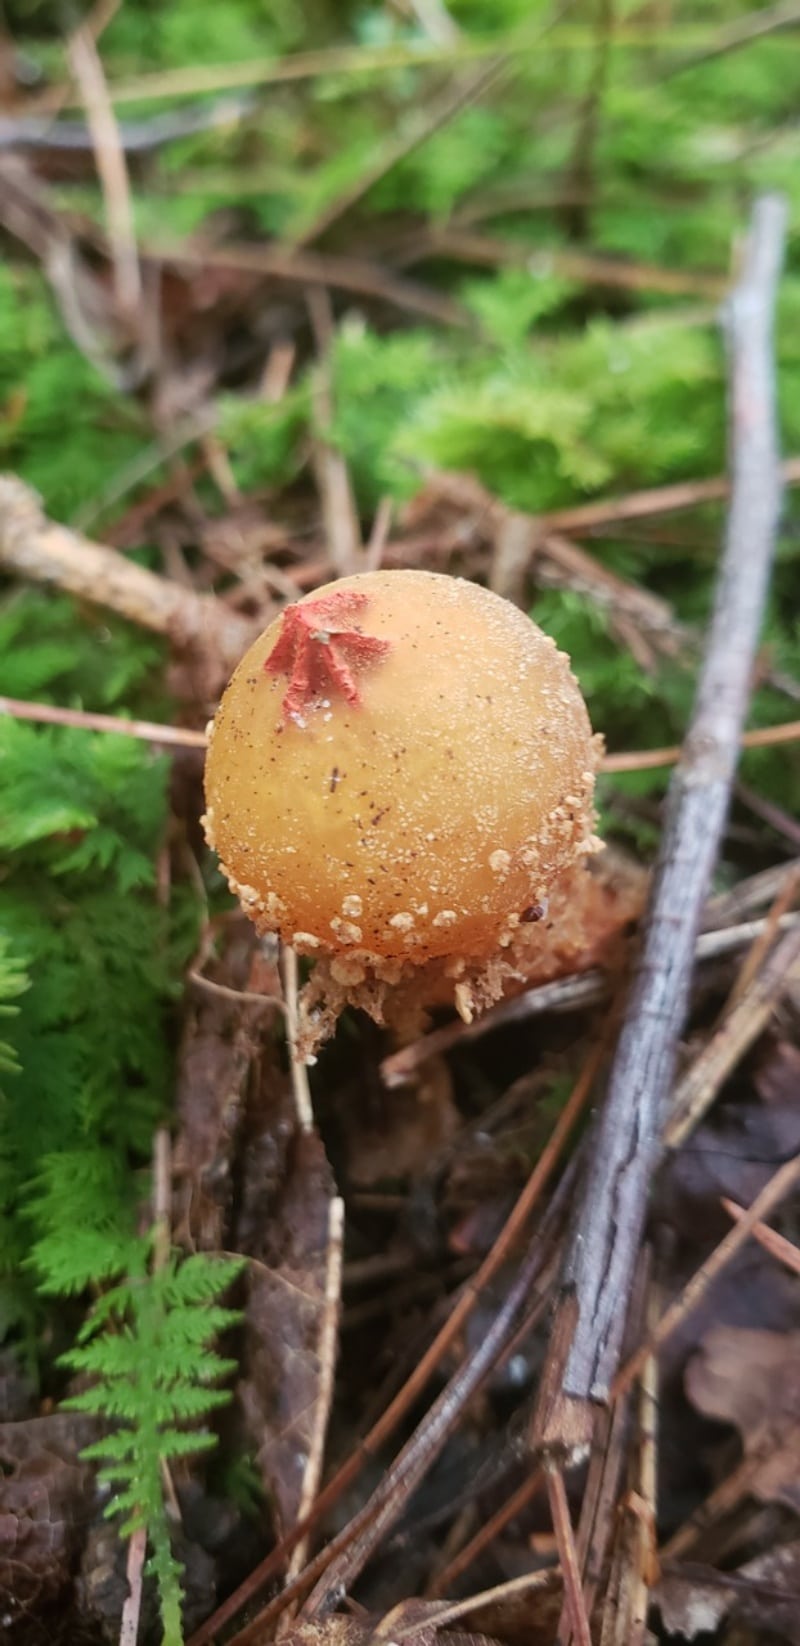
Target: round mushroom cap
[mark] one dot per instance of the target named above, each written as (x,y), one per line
(406,800)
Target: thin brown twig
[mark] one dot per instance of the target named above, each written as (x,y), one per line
(516,1586)
(642,505)
(776,817)
(152,731)
(590,1318)
(584,267)
(568,1557)
(572,993)
(774,1191)
(640,760)
(776,1244)
(195,80)
(148,731)
(339,512)
(309,268)
(748,895)
(112,170)
(529,1488)
(348,1555)
(740,1027)
(785,895)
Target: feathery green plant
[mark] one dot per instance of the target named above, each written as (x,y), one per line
(146,1343)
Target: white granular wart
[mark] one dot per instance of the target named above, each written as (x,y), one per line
(500,862)
(352,906)
(402,922)
(345,930)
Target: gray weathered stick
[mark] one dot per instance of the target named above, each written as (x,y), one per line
(597,1282)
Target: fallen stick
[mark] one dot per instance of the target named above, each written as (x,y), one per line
(37,548)
(596,1281)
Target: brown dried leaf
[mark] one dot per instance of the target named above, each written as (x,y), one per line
(751,1379)
(284,1313)
(400,1138)
(763,1595)
(44,1505)
(219,1051)
(412,1622)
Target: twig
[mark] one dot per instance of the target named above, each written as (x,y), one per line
(378,537)
(148,731)
(41,132)
(299,1073)
(566,994)
(112,171)
(153,731)
(317,269)
(134,1574)
(349,1554)
(568,1556)
(774,816)
(776,1244)
(585,267)
(584,1353)
(525,1493)
(747,1018)
(339,513)
(773,1192)
(753,25)
(34,547)
(749,894)
(686,494)
(640,760)
(786,893)
(326,1355)
(453,1609)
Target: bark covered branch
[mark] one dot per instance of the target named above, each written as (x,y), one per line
(34,547)
(598,1275)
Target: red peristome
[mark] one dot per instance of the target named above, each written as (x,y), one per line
(319,652)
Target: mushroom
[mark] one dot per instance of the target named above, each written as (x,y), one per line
(399,775)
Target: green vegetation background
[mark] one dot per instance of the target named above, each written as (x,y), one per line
(559,391)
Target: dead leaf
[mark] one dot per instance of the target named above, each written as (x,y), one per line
(45,1502)
(412,1622)
(763,1595)
(409,1128)
(219,1051)
(284,1313)
(751,1379)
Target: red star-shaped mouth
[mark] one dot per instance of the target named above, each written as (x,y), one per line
(320,651)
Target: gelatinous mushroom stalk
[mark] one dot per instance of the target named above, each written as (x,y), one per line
(399,782)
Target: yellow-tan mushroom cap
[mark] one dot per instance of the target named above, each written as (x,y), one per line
(400,768)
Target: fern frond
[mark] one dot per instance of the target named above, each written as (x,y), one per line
(148,1345)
